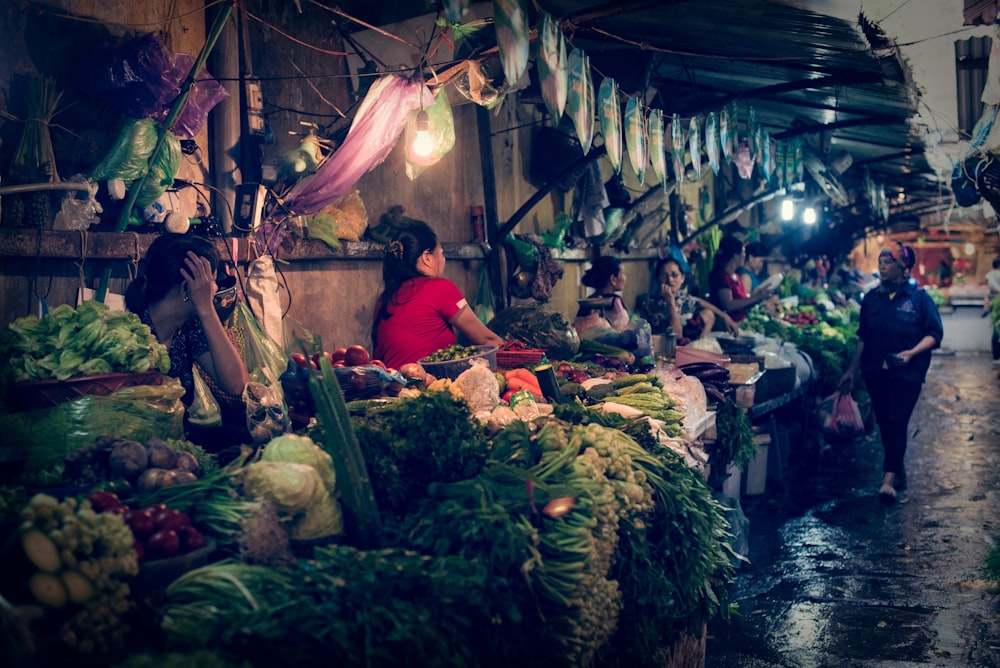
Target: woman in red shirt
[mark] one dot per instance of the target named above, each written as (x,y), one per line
(725,288)
(419,311)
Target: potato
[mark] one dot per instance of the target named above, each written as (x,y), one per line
(161,455)
(187,462)
(128,459)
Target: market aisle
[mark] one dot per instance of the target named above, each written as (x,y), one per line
(838,579)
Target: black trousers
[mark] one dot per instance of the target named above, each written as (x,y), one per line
(893,402)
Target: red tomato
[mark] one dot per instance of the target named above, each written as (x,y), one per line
(140,551)
(339,354)
(356,355)
(162,544)
(155,508)
(300,360)
(171,519)
(319,356)
(101,500)
(191,539)
(378,363)
(140,521)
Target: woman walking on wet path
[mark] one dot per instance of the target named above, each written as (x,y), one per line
(835,578)
(898,329)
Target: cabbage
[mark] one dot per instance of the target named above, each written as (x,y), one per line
(321,519)
(302,450)
(290,486)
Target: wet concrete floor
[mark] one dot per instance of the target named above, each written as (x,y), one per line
(837,578)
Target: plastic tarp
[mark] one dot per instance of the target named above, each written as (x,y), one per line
(380,120)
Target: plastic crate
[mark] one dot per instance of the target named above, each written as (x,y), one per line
(513,359)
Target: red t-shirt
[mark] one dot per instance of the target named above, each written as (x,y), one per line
(419,321)
(720,280)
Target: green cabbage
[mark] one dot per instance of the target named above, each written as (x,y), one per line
(302,450)
(290,486)
(322,518)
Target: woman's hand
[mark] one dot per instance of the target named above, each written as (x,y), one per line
(668,295)
(730,324)
(904,356)
(199,278)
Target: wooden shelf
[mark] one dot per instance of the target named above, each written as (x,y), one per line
(128,246)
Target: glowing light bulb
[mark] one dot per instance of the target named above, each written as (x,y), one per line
(787,209)
(809,215)
(423,145)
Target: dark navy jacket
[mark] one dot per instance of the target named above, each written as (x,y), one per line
(889,326)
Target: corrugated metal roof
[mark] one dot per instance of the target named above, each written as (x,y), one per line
(803,72)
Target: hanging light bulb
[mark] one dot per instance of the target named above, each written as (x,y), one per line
(423,145)
(809,215)
(787,209)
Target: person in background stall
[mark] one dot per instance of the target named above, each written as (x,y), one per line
(899,327)
(753,264)
(418,311)
(726,290)
(992,278)
(173,294)
(607,279)
(671,306)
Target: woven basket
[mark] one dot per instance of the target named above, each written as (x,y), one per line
(47,393)
(513,359)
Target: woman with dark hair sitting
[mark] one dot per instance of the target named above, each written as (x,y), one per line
(418,310)
(671,306)
(725,288)
(174,294)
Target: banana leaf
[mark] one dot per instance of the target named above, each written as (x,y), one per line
(677,147)
(635,136)
(694,145)
(611,121)
(580,98)
(657,150)
(511,23)
(552,72)
(712,140)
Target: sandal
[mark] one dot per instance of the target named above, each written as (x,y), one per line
(887,493)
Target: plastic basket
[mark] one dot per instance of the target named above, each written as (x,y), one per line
(47,393)
(512,359)
(452,369)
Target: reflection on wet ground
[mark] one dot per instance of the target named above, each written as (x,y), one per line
(837,578)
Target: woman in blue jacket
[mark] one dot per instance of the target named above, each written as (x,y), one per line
(898,329)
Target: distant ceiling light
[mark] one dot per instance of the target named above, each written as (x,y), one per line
(901,197)
(809,216)
(970,249)
(787,209)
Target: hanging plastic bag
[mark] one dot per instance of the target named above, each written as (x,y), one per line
(204,410)
(262,292)
(267,416)
(485,304)
(440,133)
(264,358)
(847,417)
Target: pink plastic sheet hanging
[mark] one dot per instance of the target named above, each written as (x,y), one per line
(380,120)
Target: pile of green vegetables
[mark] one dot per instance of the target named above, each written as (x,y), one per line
(86,341)
(563,542)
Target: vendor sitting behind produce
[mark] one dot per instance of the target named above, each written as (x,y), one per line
(671,306)
(174,294)
(418,310)
(753,264)
(725,288)
(607,278)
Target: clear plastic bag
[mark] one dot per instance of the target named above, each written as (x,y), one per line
(204,410)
